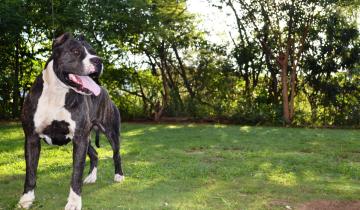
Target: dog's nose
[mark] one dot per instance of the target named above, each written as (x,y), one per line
(96,61)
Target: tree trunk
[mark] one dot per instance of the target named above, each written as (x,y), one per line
(292,93)
(172,85)
(159,108)
(294,67)
(274,88)
(143,96)
(283,63)
(183,73)
(15,105)
(314,110)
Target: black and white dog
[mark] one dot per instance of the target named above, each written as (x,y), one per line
(64,104)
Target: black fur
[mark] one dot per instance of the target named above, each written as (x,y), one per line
(32,140)
(97,139)
(87,111)
(57,131)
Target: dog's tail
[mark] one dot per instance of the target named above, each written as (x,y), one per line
(97,138)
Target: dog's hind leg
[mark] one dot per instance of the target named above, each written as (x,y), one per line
(91,178)
(32,153)
(113,138)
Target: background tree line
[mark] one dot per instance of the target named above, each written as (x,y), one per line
(289,62)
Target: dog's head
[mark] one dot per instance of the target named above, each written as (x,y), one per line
(76,64)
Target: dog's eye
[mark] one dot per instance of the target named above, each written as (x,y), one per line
(76,52)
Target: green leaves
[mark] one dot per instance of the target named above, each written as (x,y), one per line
(159,63)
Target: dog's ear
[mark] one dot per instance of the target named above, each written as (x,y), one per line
(61,39)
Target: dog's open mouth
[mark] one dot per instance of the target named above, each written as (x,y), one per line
(83,84)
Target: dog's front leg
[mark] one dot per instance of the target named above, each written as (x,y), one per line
(80,145)
(32,153)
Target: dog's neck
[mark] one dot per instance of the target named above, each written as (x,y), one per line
(51,79)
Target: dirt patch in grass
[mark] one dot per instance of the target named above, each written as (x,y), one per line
(232,148)
(282,204)
(195,150)
(214,159)
(330,205)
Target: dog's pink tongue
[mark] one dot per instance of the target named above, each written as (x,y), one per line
(87,83)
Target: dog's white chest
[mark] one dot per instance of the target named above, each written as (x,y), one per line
(51,106)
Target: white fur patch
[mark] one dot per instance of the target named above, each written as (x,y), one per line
(47,139)
(119,178)
(91,178)
(88,66)
(74,201)
(51,103)
(26,200)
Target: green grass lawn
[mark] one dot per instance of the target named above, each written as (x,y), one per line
(195,167)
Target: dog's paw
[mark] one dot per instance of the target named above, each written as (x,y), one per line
(74,201)
(26,200)
(71,206)
(119,178)
(91,178)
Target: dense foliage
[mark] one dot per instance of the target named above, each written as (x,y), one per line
(293,62)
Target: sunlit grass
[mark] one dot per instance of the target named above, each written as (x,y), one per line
(196,167)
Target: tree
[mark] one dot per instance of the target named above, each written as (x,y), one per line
(280,29)
(330,69)
(293,62)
